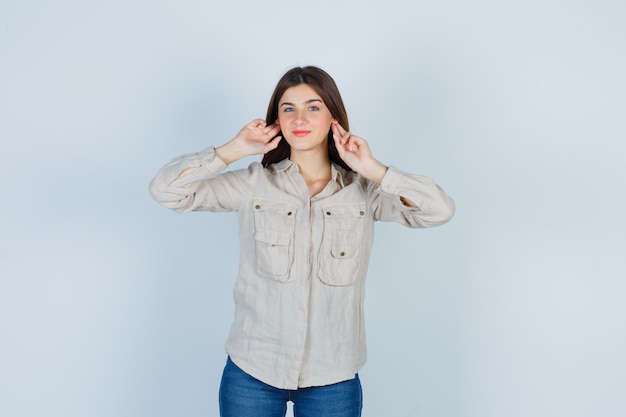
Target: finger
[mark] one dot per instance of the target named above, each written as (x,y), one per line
(353,143)
(340,128)
(345,137)
(272,129)
(267,128)
(257,123)
(335,131)
(273,144)
(350,145)
(342,135)
(339,146)
(269,136)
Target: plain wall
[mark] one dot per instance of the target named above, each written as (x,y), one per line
(112,306)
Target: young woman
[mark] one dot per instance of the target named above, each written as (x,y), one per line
(306,219)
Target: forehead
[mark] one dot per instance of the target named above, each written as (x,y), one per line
(299,94)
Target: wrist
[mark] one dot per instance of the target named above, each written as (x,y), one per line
(228,153)
(375,171)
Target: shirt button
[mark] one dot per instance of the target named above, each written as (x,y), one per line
(328,213)
(361,212)
(257,207)
(342,254)
(289,214)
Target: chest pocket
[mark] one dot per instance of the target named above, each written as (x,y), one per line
(340,253)
(274,226)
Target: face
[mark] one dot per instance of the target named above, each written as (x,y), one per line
(304,119)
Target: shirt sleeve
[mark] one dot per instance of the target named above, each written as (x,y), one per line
(205,188)
(434,206)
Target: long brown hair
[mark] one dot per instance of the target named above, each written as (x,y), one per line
(325,86)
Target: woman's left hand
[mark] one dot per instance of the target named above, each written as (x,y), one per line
(356,153)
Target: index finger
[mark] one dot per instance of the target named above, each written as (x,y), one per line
(257,123)
(272,129)
(340,129)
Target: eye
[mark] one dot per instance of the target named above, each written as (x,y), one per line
(287,109)
(314,108)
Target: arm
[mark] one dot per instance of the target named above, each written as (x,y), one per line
(192,181)
(254,138)
(413,200)
(356,153)
(430,205)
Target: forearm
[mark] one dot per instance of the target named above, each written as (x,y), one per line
(175,184)
(230,152)
(422,202)
(374,170)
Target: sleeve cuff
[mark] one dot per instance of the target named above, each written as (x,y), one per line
(209,160)
(391,180)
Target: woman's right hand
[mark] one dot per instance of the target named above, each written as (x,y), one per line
(254,138)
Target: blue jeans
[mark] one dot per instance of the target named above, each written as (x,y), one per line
(242,395)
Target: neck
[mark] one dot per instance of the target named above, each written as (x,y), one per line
(312,166)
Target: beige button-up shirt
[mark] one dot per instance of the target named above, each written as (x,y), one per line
(303,260)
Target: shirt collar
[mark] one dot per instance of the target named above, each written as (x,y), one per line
(282,165)
(336,172)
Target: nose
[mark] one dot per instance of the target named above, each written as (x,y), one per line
(300,117)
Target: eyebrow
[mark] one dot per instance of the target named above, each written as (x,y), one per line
(313,100)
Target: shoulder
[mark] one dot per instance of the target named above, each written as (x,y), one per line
(275,168)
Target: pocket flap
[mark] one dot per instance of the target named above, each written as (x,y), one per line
(345,210)
(343,251)
(272,238)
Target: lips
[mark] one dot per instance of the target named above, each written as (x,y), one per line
(301,133)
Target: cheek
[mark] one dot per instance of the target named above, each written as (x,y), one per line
(328,118)
(285,117)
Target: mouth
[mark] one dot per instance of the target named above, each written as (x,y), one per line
(301,133)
